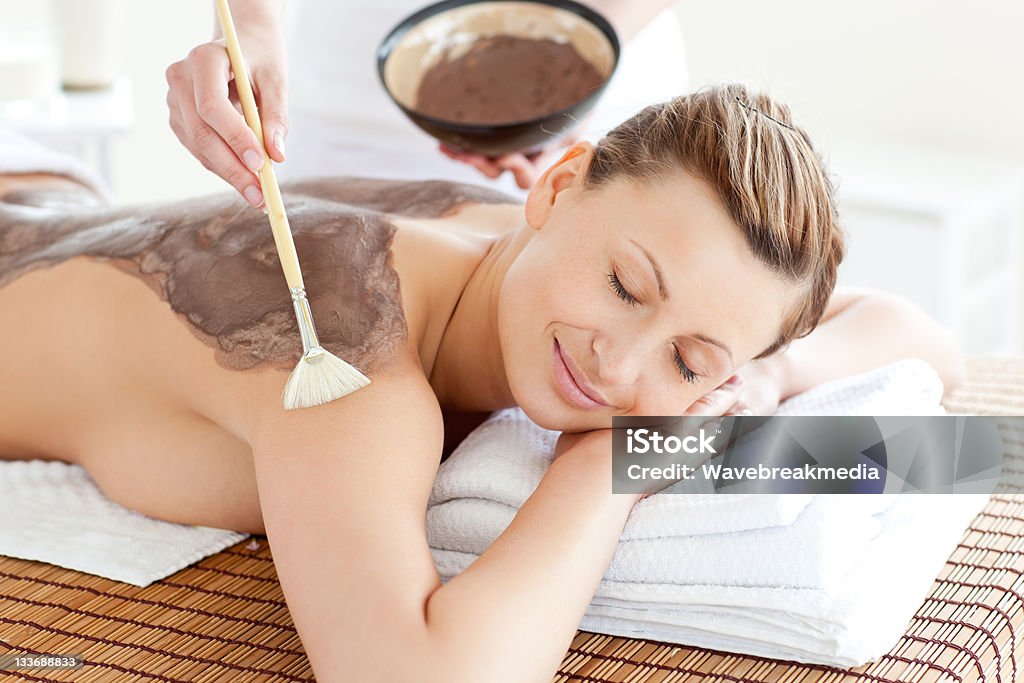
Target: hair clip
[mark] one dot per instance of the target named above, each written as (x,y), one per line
(784,125)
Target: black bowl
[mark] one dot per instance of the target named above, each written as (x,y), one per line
(402,59)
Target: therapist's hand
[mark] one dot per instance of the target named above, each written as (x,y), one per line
(207,118)
(526,168)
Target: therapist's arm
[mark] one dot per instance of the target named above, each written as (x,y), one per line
(201,98)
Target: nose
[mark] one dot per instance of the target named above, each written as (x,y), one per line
(620,355)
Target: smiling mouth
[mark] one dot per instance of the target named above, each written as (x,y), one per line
(570,388)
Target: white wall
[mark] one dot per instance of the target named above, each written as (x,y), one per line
(150,163)
(935,72)
(940,78)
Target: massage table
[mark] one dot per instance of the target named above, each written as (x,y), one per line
(224,618)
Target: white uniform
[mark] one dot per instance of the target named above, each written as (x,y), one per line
(342,121)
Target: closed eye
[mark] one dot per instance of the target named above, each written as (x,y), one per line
(619,289)
(624,294)
(688,374)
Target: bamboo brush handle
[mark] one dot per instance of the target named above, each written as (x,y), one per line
(268,181)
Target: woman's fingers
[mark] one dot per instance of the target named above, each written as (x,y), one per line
(211,72)
(526,168)
(272,101)
(478,161)
(206,119)
(214,154)
(720,400)
(523,168)
(484,165)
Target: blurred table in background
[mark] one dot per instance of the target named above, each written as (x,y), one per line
(79,122)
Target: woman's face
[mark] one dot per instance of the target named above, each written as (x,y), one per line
(647,295)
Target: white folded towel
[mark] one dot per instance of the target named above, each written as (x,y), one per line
(518,452)
(19,154)
(827,536)
(855,622)
(53,512)
(831,579)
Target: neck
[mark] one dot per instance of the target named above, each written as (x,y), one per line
(469,372)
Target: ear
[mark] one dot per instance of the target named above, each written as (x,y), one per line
(568,172)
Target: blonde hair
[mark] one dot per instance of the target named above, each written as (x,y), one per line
(765,170)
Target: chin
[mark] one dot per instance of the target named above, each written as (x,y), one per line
(528,370)
(540,411)
(534,391)
(545,408)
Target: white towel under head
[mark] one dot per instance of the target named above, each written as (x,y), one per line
(830,579)
(838,530)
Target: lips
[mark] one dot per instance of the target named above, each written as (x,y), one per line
(572,382)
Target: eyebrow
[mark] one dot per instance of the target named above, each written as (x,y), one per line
(664,297)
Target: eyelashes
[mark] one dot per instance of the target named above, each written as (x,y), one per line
(624,294)
(688,374)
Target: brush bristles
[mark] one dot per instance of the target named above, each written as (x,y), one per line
(322,381)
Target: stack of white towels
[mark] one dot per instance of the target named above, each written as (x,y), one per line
(828,579)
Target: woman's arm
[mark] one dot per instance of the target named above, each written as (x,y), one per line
(513,613)
(343,488)
(864,329)
(860,330)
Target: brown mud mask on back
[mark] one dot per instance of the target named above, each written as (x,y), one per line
(213,260)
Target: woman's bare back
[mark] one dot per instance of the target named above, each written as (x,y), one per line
(131,332)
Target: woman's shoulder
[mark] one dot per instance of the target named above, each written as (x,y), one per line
(399,393)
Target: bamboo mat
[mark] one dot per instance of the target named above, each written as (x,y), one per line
(224,618)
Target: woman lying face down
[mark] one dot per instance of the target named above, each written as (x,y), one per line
(698,235)
(698,242)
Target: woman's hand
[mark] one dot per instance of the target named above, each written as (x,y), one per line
(753,390)
(206,116)
(594,449)
(525,167)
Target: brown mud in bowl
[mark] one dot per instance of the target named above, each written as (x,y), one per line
(435,40)
(503,79)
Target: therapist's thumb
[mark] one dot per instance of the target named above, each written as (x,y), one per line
(273,105)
